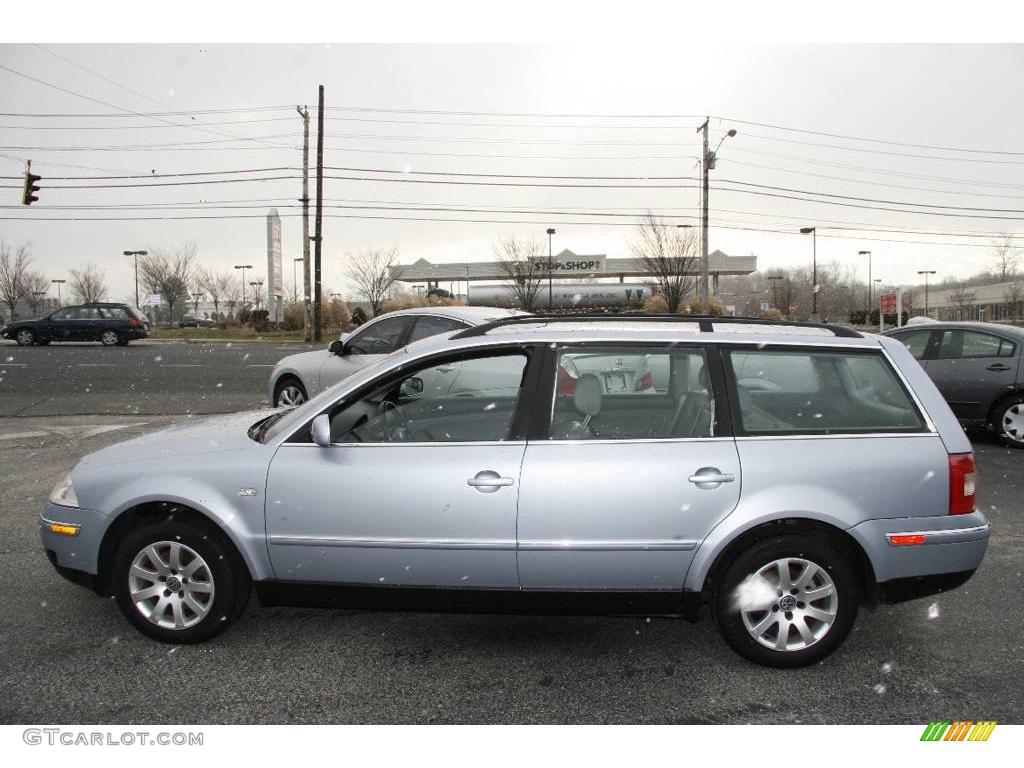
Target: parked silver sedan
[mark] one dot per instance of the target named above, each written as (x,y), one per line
(297,378)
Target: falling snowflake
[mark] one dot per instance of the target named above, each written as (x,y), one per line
(933,611)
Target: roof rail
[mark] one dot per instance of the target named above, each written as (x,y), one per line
(706,323)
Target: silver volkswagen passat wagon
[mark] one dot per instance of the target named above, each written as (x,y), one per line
(785,476)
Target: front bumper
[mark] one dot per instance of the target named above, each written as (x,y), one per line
(79,552)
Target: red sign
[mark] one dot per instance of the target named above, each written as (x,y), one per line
(888,303)
(793,308)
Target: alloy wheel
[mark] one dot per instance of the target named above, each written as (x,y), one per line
(109,338)
(789,604)
(171,585)
(26,337)
(291,395)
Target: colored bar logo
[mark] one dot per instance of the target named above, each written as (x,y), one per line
(958,730)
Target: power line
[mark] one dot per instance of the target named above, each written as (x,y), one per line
(107,103)
(186,113)
(873,141)
(135,127)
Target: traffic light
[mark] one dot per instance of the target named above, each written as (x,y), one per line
(29,196)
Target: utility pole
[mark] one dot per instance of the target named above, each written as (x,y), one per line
(702,286)
(813,231)
(868,254)
(307,319)
(707,164)
(136,254)
(319,237)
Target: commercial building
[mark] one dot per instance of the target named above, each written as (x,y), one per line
(567,267)
(994,302)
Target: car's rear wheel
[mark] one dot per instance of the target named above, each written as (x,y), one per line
(109,338)
(179,583)
(787,601)
(25,337)
(289,392)
(1009,422)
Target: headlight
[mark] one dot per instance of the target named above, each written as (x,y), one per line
(63,494)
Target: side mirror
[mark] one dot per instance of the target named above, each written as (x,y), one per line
(411,387)
(321,430)
(337,348)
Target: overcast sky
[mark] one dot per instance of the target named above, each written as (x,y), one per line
(960,97)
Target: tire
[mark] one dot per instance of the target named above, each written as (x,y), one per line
(1009,422)
(196,613)
(834,613)
(289,392)
(25,337)
(110,338)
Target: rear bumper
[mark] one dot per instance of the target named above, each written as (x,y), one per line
(912,588)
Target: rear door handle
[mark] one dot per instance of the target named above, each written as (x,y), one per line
(488,481)
(998,367)
(710,475)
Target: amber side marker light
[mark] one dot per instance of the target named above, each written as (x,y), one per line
(63,529)
(905,539)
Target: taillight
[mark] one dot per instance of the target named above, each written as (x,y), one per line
(134,321)
(566,382)
(645,382)
(961,483)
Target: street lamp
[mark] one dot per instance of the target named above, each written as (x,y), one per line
(136,254)
(196,297)
(708,164)
(551,303)
(295,280)
(813,231)
(868,254)
(59,284)
(243,267)
(926,272)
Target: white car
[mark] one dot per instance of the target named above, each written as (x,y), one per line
(299,377)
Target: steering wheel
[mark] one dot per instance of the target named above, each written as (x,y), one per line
(389,411)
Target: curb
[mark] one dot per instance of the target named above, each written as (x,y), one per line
(150,340)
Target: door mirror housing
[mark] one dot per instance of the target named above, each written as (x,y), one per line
(411,387)
(337,348)
(320,430)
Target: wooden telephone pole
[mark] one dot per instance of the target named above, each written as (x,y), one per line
(318,237)
(307,318)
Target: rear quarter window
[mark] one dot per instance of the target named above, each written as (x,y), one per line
(820,392)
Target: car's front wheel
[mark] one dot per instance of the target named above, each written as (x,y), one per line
(787,601)
(1009,422)
(289,392)
(25,337)
(179,583)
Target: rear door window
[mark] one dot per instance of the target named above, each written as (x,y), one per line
(957,344)
(632,393)
(429,325)
(849,392)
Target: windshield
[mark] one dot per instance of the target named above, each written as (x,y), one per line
(287,420)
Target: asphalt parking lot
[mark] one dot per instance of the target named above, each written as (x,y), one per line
(145,377)
(69,657)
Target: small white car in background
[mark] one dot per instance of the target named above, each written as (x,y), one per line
(297,378)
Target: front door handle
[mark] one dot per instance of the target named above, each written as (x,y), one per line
(710,476)
(488,481)
(998,367)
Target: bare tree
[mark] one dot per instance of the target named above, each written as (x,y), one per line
(13,268)
(374,271)
(669,254)
(1005,257)
(88,284)
(526,266)
(218,285)
(168,274)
